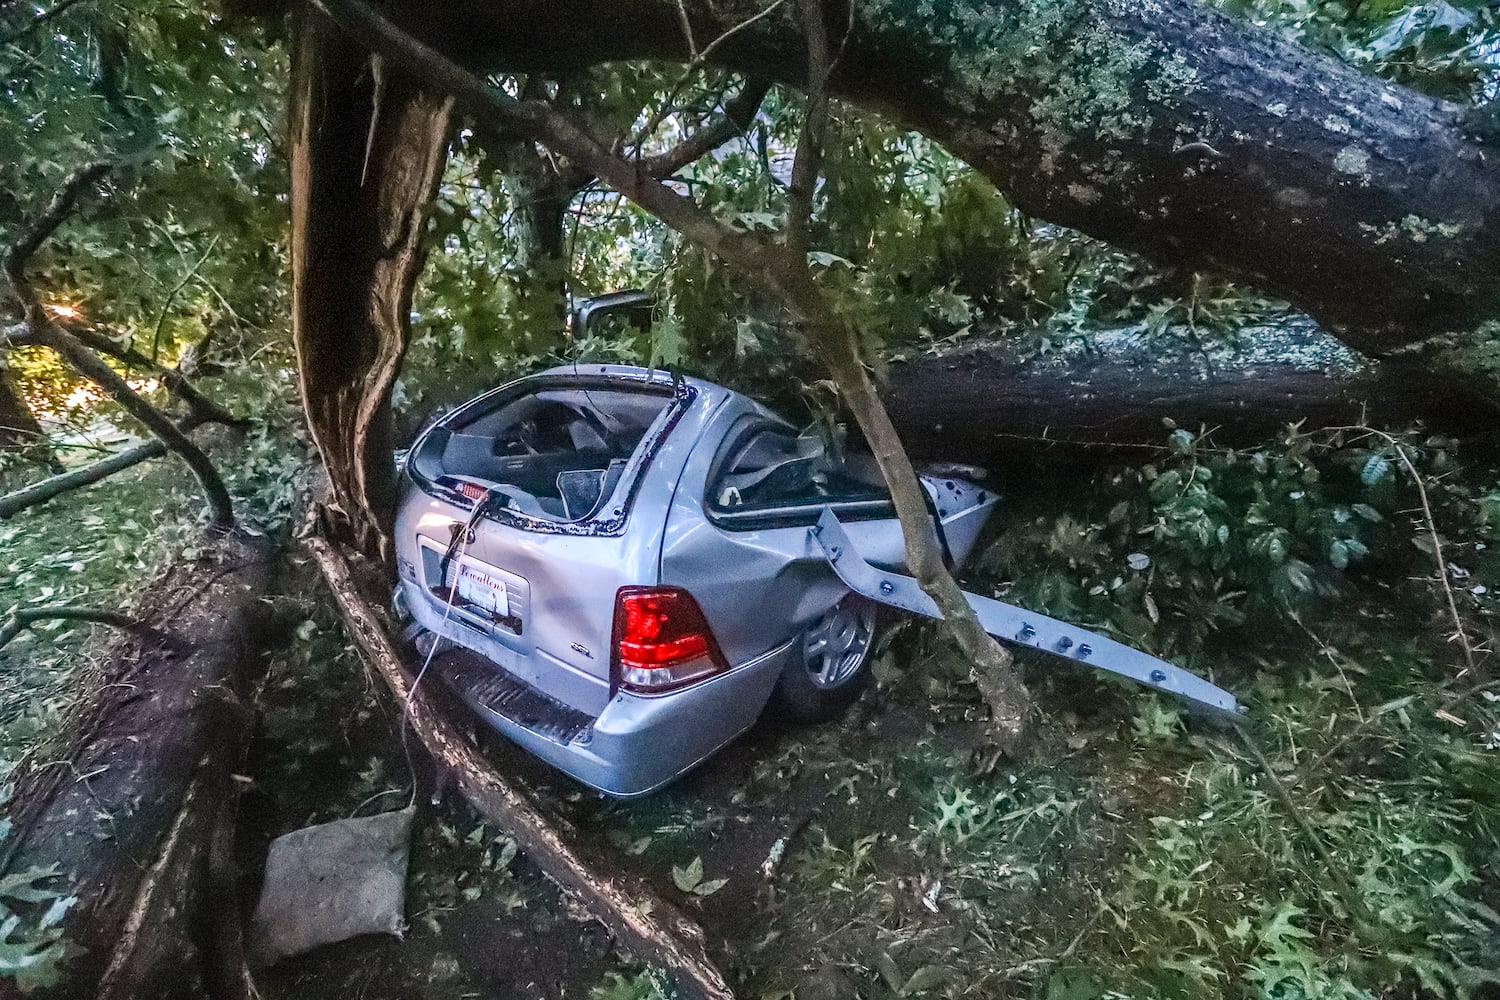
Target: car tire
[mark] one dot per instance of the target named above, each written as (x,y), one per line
(830,663)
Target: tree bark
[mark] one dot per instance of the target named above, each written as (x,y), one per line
(1168,128)
(131,810)
(1123,390)
(367,150)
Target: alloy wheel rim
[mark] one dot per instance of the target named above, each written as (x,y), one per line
(835,648)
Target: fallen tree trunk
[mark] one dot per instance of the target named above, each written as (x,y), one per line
(1120,389)
(134,814)
(1168,128)
(646,925)
(52,487)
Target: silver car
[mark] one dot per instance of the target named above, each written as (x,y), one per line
(614,568)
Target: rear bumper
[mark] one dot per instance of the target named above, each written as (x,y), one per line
(637,744)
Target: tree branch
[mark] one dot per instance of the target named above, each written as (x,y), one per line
(161,317)
(47,489)
(808,162)
(548,125)
(49,334)
(20,252)
(221,509)
(739,112)
(202,409)
(20,620)
(36,22)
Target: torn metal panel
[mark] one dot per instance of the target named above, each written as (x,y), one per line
(1017,625)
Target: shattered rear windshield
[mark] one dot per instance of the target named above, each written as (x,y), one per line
(557,453)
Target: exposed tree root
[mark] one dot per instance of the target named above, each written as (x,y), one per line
(649,927)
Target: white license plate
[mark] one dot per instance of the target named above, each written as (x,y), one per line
(480,585)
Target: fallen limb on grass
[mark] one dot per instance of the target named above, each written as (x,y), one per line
(26,617)
(47,489)
(647,926)
(136,813)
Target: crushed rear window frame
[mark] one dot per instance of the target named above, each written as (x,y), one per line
(608,522)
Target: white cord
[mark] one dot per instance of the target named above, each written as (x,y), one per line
(457,562)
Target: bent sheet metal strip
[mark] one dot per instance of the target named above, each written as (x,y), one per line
(1013,624)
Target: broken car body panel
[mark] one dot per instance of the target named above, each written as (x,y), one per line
(1017,625)
(615,568)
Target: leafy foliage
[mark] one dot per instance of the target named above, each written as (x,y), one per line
(1450,48)
(1213,539)
(31,939)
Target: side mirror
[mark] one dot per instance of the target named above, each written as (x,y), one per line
(627,310)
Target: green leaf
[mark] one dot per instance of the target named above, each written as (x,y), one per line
(667,343)
(687,879)
(1377,467)
(926,978)
(20,885)
(710,887)
(821,258)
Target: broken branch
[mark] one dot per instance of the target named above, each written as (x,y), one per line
(221,509)
(739,111)
(49,334)
(39,493)
(20,620)
(202,409)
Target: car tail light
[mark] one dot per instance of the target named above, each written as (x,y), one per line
(662,641)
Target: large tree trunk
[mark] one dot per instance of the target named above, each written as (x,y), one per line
(138,811)
(1167,128)
(1122,390)
(368,149)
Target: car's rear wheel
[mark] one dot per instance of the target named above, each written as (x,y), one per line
(831,663)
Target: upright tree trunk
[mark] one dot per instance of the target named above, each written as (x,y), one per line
(541,196)
(368,147)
